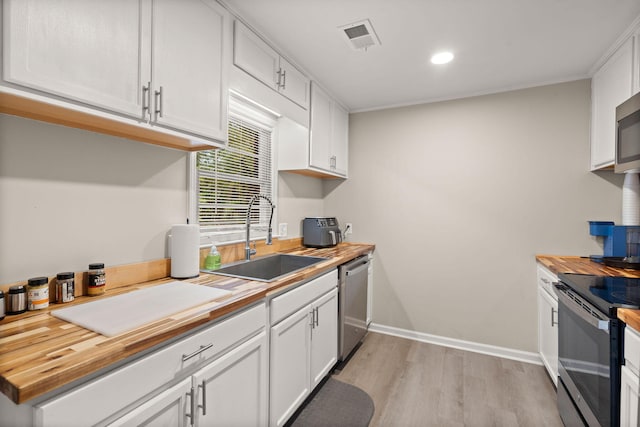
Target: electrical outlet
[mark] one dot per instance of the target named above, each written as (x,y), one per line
(282,229)
(348,229)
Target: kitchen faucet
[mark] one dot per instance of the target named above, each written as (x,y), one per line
(247,248)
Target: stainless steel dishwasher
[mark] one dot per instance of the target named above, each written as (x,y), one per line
(352,306)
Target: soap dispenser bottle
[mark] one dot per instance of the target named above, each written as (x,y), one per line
(213,259)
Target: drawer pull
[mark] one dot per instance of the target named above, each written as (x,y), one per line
(202,348)
(203,386)
(544,280)
(192,406)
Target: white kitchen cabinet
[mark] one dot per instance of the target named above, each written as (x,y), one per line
(146,386)
(636,64)
(370,291)
(85,51)
(170,408)
(610,86)
(233,390)
(630,381)
(548,322)
(322,150)
(189,72)
(163,64)
(257,58)
(304,343)
(329,134)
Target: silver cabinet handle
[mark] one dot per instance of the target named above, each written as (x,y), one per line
(284,80)
(192,407)
(158,100)
(146,100)
(203,386)
(202,348)
(317,317)
(313,318)
(544,280)
(553,321)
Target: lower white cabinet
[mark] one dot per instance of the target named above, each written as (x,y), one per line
(304,344)
(211,396)
(630,381)
(158,388)
(548,322)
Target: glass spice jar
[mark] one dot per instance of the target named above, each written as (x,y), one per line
(38,293)
(97,280)
(65,287)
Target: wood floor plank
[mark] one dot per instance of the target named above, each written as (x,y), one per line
(419,384)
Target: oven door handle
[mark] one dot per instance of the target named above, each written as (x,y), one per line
(583,309)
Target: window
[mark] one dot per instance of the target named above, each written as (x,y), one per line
(227,179)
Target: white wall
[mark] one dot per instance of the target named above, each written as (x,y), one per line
(460,196)
(299,196)
(69,197)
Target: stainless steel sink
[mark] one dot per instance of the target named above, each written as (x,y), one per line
(268,268)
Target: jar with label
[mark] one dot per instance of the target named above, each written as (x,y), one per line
(38,293)
(97,280)
(65,287)
(17,299)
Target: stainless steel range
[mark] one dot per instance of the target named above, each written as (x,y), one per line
(590,346)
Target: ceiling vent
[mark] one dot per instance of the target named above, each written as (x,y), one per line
(360,35)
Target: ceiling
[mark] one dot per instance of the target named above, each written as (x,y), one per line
(498,44)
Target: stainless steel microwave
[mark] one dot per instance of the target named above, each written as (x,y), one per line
(628,135)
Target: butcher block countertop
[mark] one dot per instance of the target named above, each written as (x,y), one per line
(581,265)
(40,353)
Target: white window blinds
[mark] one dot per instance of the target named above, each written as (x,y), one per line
(228,178)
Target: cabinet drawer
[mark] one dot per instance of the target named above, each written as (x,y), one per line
(291,301)
(112,392)
(632,349)
(546,279)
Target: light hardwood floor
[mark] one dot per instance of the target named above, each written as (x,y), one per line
(418,384)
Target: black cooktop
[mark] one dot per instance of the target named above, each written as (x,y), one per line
(606,293)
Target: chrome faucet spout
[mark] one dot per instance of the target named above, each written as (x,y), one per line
(247,248)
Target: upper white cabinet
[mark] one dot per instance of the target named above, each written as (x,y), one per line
(323,150)
(329,133)
(257,58)
(636,65)
(188,76)
(610,86)
(159,63)
(85,51)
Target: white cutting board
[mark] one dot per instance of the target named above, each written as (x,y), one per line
(122,313)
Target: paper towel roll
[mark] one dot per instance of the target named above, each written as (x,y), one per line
(185,251)
(631,199)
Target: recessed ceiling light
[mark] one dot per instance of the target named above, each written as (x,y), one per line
(442,58)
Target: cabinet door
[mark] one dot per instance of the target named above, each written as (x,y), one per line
(254,56)
(629,396)
(548,332)
(324,336)
(294,85)
(340,139)
(636,64)
(610,86)
(191,54)
(321,132)
(168,409)
(92,52)
(232,391)
(290,371)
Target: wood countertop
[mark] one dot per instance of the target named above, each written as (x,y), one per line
(581,265)
(40,353)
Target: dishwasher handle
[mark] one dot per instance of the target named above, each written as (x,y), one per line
(363,266)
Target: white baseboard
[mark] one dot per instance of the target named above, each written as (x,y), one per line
(491,350)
